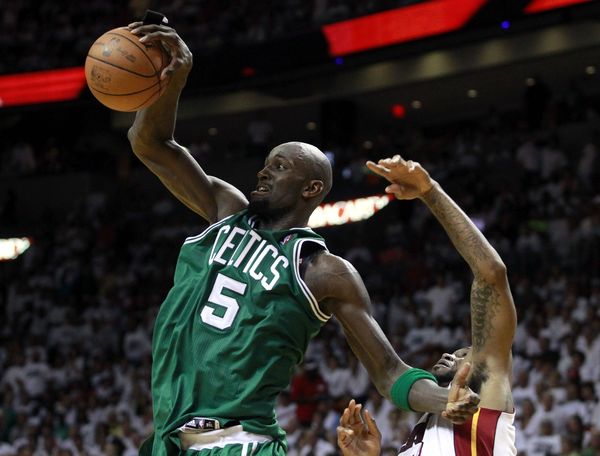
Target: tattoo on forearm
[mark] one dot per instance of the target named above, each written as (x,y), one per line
(485,304)
(487,293)
(468,240)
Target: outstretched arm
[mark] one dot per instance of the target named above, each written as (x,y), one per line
(339,289)
(359,435)
(493,315)
(152,136)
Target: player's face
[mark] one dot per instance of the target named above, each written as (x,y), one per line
(280,183)
(448,364)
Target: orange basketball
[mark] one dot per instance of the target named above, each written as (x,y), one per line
(124,74)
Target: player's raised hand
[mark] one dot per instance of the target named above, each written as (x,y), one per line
(355,437)
(408,178)
(181,56)
(462,401)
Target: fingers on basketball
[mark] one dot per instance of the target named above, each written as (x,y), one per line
(148,29)
(159,36)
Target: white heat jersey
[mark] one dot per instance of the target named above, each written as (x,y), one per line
(487,433)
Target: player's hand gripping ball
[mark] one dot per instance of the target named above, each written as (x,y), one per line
(124,73)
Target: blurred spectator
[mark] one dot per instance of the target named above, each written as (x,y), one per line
(546,442)
(522,389)
(286,412)
(312,443)
(441,298)
(589,162)
(593,447)
(358,382)
(307,389)
(336,377)
(22,159)
(546,411)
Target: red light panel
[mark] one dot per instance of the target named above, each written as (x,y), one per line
(41,86)
(398,111)
(399,25)
(248,72)
(537,6)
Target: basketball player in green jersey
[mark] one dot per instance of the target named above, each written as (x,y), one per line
(250,292)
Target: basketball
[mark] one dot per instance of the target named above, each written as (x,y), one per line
(123,73)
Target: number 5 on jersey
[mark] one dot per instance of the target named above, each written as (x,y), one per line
(217,297)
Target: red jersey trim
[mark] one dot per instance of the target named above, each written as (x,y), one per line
(476,437)
(462,438)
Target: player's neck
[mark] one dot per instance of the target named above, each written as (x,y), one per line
(281,222)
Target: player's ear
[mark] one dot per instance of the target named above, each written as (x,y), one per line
(313,188)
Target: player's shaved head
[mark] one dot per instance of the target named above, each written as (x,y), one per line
(295,179)
(314,162)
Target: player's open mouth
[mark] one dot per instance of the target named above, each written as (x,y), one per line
(444,363)
(261,189)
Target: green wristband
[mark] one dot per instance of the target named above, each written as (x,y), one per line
(401,387)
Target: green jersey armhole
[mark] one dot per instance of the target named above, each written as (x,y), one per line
(314,305)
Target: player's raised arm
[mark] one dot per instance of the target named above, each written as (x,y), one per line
(339,289)
(493,315)
(152,136)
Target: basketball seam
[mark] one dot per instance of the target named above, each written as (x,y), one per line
(121,68)
(125,94)
(135,108)
(140,48)
(145,101)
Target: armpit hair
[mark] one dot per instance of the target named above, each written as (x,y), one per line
(479,376)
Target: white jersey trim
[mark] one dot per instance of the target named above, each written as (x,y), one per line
(198,237)
(314,305)
(506,433)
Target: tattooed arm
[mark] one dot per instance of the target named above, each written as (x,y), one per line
(493,315)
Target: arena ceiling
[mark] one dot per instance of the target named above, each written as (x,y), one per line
(441,80)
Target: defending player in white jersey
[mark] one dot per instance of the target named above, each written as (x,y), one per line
(490,432)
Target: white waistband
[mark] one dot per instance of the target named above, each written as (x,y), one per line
(220,438)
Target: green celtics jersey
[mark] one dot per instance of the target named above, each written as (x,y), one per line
(233,327)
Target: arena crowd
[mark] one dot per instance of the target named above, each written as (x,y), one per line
(47,35)
(77,309)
